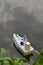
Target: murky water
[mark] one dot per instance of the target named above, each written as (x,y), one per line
(18,20)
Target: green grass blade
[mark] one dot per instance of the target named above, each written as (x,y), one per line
(3,52)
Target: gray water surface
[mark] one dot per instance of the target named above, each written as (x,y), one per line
(21,23)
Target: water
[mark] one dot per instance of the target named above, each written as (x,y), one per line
(21,19)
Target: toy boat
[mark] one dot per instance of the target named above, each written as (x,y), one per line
(22,44)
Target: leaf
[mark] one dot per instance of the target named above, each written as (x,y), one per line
(37,52)
(24,60)
(6,62)
(39,61)
(41,52)
(21,64)
(20,61)
(3,52)
(14,58)
(15,63)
